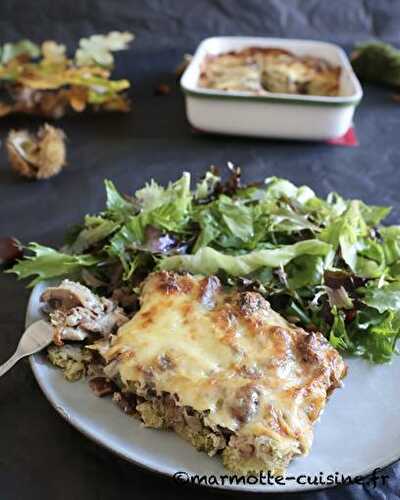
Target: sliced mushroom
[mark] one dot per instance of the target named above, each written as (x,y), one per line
(106,323)
(247,399)
(77,312)
(70,294)
(102,386)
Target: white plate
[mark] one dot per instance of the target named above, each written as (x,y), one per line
(358,432)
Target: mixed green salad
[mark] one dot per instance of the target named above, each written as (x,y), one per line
(324,264)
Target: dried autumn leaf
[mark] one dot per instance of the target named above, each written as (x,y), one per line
(37,156)
(50,104)
(162,89)
(53,52)
(23,47)
(5,109)
(117,103)
(54,84)
(78,97)
(98,49)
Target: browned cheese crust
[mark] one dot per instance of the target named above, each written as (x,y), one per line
(254,381)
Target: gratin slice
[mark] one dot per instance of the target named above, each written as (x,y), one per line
(260,70)
(223,370)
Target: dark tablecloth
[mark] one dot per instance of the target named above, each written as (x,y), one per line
(41,456)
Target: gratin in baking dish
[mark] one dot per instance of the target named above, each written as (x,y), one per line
(275,115)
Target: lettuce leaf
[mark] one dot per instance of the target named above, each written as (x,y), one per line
(373,214)
(305,270)
(237,218)
(371,262)
(166,208)
(206,186)
(227,222)
(375,334)
(48,263)
(117,206)
(209,261)
(284,219)
(338,335)
(277,188)
(385,298)
(95,230)
(209,229)
(344,232)
(126,240)
(391,249)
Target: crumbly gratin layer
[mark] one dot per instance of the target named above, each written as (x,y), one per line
(163,412)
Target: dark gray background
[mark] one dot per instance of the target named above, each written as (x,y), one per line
(41,456)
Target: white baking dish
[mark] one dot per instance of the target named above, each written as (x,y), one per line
(287,116)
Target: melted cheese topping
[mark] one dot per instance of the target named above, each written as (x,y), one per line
(227,354)
(261,70)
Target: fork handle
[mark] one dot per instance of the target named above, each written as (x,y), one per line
(9,364)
